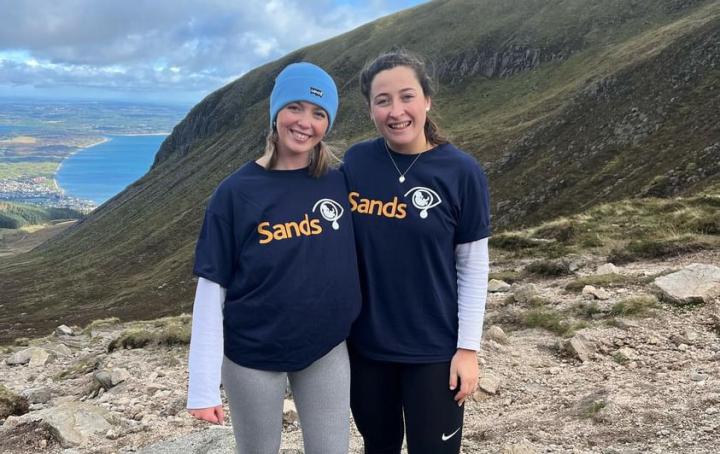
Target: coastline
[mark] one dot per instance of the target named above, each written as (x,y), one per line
(79,149)
(145,134)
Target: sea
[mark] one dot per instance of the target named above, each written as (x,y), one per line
(99,172)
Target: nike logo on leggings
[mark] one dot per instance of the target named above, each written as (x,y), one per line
(447,437)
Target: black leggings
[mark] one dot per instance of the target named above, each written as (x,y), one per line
(380,392)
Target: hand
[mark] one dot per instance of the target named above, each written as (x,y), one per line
(464,365)
(215,415)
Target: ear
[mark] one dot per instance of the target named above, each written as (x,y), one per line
(428,104)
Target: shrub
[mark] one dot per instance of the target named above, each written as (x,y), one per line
(636,305)
(551,320)
(512,242)
(549,268)
(655,249)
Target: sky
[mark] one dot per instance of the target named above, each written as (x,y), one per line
(166,51)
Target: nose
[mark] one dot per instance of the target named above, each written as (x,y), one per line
(304,119)
(396,110)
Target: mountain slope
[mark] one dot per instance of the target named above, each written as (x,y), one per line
(567,103)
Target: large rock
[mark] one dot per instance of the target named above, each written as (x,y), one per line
(72,423)
(35,356)
(696,283)
(214,440)
(41,357)
(580,347)
(38,395)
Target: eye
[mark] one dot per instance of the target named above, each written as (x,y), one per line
(423,199)
(293,107)
(382,101)
(330,210)
(320,114)
(408,97)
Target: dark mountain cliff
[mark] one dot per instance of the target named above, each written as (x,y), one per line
(566,103)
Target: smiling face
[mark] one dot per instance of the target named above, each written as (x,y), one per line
(398,108)
(300,127)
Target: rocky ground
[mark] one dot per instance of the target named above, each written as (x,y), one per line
(566,369)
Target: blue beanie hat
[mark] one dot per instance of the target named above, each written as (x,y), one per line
(304,82)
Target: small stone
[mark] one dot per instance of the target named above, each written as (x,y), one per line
(712,411)
(489,383)
(682,347)
(498,286)
(290,416)
(496,334)
(525,293)
(64,330)
(608,268)
(698,377)
(596,293)
(580,347)
(103,378)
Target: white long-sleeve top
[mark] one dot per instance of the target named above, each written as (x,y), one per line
(206,342)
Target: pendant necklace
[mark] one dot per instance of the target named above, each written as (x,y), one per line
(402,174)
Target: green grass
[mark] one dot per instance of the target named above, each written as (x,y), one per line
(15,171)
(634,306)
(600,280)
(549,268)
(551,320)
(625,231)
(165,331)
(16,215)
(509,276)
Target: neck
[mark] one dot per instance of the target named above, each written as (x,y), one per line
(286,160)
(419,146)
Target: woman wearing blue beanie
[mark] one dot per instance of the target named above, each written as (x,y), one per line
(278,283)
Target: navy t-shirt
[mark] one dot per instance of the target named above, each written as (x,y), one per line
(406,235)
(281,243)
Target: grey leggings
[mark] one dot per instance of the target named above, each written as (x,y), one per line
(322,397)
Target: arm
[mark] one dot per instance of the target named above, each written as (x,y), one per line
(206,352)
(472,263)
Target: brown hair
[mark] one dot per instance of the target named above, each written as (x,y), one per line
(320,156)
(401,57)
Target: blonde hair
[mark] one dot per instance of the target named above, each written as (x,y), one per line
(320,157)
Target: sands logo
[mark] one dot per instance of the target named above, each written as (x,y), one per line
(422,198)
(329,209)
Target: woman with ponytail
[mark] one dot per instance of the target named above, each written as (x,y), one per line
(421,214)
(278,283)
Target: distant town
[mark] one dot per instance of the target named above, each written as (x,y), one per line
(36,136)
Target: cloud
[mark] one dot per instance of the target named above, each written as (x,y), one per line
(163,44)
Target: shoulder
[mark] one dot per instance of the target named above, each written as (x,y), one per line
(232,190)
(359,149)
